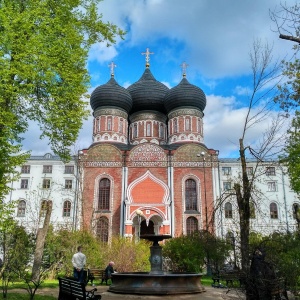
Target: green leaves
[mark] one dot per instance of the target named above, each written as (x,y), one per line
(44,48)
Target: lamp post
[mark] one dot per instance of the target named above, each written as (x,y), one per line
(139,215)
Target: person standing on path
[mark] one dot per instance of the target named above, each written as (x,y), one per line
(79,261)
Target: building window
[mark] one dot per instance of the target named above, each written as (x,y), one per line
(68,183)
(190,195)
(69,169)
(226,170)
(228,210)
(24,183)
(270,171)
(104,194)
(46,183)
(191,225)
(187,124)
(161,131)
(109,123)
(226,185)
(47,169)
(199,125)
(121,125)
(67,209)
(135,131)
(296,211)
(102,229)
(148,129)
(21,208)
(273,211)
(175,126)
(272,186)
(25,169)
(249,171)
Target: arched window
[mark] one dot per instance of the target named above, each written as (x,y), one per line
(191,225)
(67,209)
(104,194)
(148,129)
(109,123)
(102,229)
(135,131)
(121,125)
(21,208)
(175,126)
(161,130)
(188,123)
(296,210)
(190,194)
(273,211)
(228,210)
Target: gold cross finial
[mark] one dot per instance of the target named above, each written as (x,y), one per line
(147,53)
(184,66)
(112,68)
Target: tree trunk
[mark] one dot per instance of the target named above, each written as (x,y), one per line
(40,243)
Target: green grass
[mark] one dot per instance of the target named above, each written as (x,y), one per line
(206,280)
(25,296)
(46,284)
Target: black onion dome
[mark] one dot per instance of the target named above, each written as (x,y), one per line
(111,94)
(148,93)
(185,94)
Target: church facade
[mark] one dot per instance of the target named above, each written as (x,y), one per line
(149,171)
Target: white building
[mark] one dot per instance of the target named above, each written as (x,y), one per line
(274,203)
(48,178)
(45,178)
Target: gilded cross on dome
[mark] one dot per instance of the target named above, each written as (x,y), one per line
(112,68)
(147,53)
(184,66)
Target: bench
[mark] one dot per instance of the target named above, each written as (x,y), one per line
(228,276)
(94,273)
(70,289)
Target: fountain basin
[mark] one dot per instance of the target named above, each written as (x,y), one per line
(156,284)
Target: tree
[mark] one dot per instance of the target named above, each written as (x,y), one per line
(260,108)
(43,54)
(287,20)
(15,261)
(197,246)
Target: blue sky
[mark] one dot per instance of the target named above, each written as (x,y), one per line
(214,37)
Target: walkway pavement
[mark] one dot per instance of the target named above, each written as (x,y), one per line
(209,294)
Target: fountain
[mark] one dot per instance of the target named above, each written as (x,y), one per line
(156,282)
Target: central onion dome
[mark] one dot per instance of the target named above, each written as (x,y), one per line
(148,93)
(185,94)
(111,94)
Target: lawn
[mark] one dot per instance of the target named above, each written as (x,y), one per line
(12,295)
(25,296)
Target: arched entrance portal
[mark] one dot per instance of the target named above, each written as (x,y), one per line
(147,229)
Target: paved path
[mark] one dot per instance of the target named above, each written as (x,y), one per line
(210,294)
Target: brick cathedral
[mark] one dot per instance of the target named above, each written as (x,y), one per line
(148,170)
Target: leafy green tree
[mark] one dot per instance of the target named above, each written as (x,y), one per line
(189,253)
(282,253)
(44,47)
(61,244)
(127,255)
(15,261)
(287,20)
